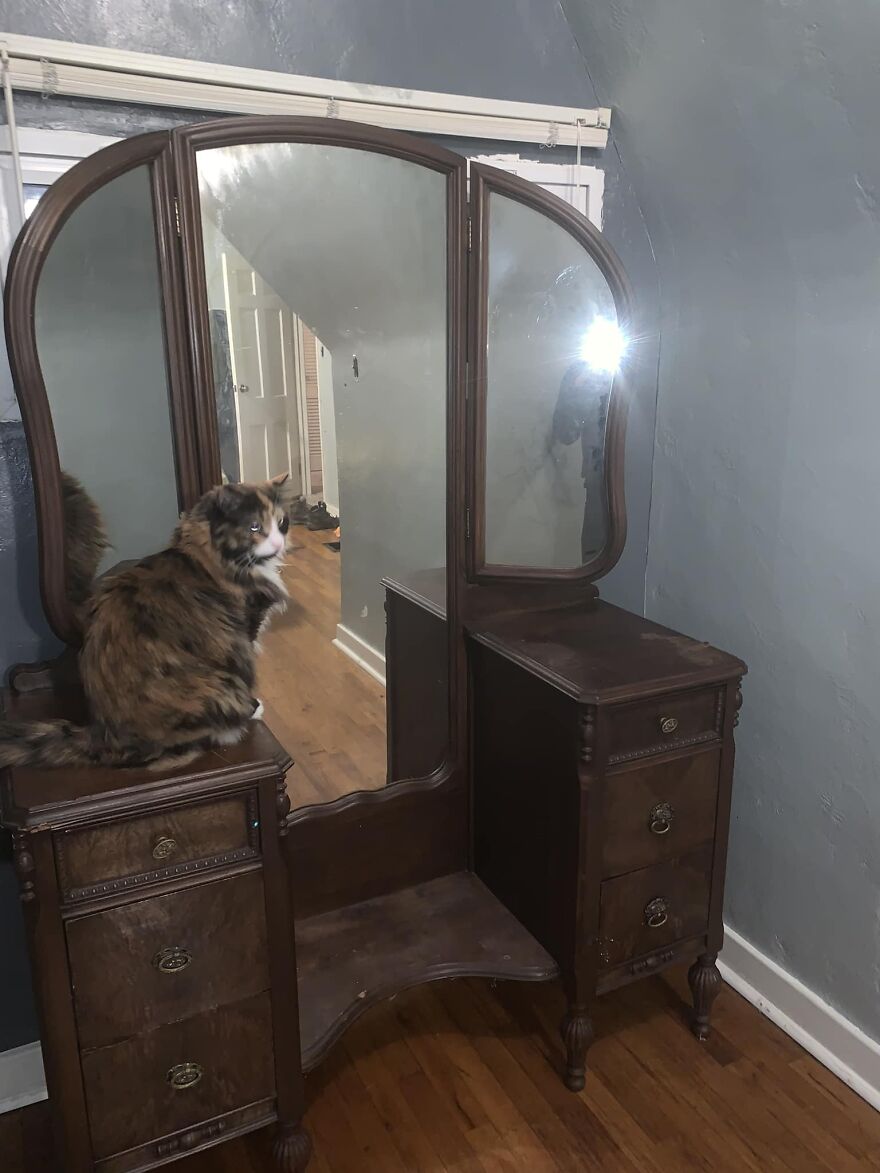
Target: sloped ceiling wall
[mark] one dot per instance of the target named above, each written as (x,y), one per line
(751,135)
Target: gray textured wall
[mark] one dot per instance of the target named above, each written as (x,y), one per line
(519,49)
(751,133)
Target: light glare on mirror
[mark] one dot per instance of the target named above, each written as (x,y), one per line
(604,345)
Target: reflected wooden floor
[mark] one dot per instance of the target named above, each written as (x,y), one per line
(462,1078)
(328,713)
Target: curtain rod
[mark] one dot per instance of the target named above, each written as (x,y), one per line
(74,70)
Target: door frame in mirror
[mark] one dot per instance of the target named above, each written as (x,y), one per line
(187,141)
(26,263)
(484,182)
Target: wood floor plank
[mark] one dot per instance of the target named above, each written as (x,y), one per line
(326,712)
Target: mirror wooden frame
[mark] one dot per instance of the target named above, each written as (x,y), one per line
(486,181)
(26,263)
(187,141)
(172,158)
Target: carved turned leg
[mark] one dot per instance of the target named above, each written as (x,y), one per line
(705,982)
(577,1034)
(292,1148)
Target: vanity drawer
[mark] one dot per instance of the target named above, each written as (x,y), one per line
(118,856)
(654,726)
(179,1076)
(156,961)
(657,812)
(655,906)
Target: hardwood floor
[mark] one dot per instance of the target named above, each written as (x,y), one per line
(328,713)
(462,1078)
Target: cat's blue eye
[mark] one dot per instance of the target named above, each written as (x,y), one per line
(256,527)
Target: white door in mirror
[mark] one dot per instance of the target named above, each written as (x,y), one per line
(264,369)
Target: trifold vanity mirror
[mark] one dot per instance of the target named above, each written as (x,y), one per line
(495,774)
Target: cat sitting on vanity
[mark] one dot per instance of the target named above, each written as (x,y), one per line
(169,644)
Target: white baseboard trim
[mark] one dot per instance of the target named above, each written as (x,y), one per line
(21,1077)
(362,653)
(836,1042)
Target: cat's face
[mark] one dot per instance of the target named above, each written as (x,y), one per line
(249,524)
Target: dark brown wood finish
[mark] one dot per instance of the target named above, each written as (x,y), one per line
(160,960)
(582,719)
(197,1139)
(657,811)
(732,705)
(417,687)
(131,1087)
(185,424)
(131,853)
(35,868)
(654,907)
(374,842)
(631,717)
(23,274)
(137,965)
(292,1144)
(353,957)
(484,181)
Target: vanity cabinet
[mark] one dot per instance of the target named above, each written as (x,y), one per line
(603,759)
(161,930)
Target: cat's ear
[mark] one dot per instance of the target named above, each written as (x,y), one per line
(219,503)
(275,489)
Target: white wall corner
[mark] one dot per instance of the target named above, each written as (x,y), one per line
(21,1077)
(837,1043)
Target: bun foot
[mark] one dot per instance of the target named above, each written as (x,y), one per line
(292,1148)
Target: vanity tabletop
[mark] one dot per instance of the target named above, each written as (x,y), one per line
(31,797)
(601,654)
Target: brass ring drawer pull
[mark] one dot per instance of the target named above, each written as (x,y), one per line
(185,1075)
(163,847)
(172,960)
(668,725)
(660,818)
(656,913)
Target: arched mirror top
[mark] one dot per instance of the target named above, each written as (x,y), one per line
(551,328)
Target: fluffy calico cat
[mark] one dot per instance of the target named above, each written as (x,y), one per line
(168,656)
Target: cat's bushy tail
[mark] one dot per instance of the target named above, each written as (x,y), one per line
(61,743)
(85,538)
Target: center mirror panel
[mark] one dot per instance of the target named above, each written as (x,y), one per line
(326,276)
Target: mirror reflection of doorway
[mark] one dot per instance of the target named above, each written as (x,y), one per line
(326,278)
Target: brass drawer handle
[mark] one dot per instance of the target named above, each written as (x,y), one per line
(185,1075)
(656,913)
(163,847)
(172,960)
(660,818)
(668,725)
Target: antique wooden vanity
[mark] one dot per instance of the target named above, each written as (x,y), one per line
(559,771)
